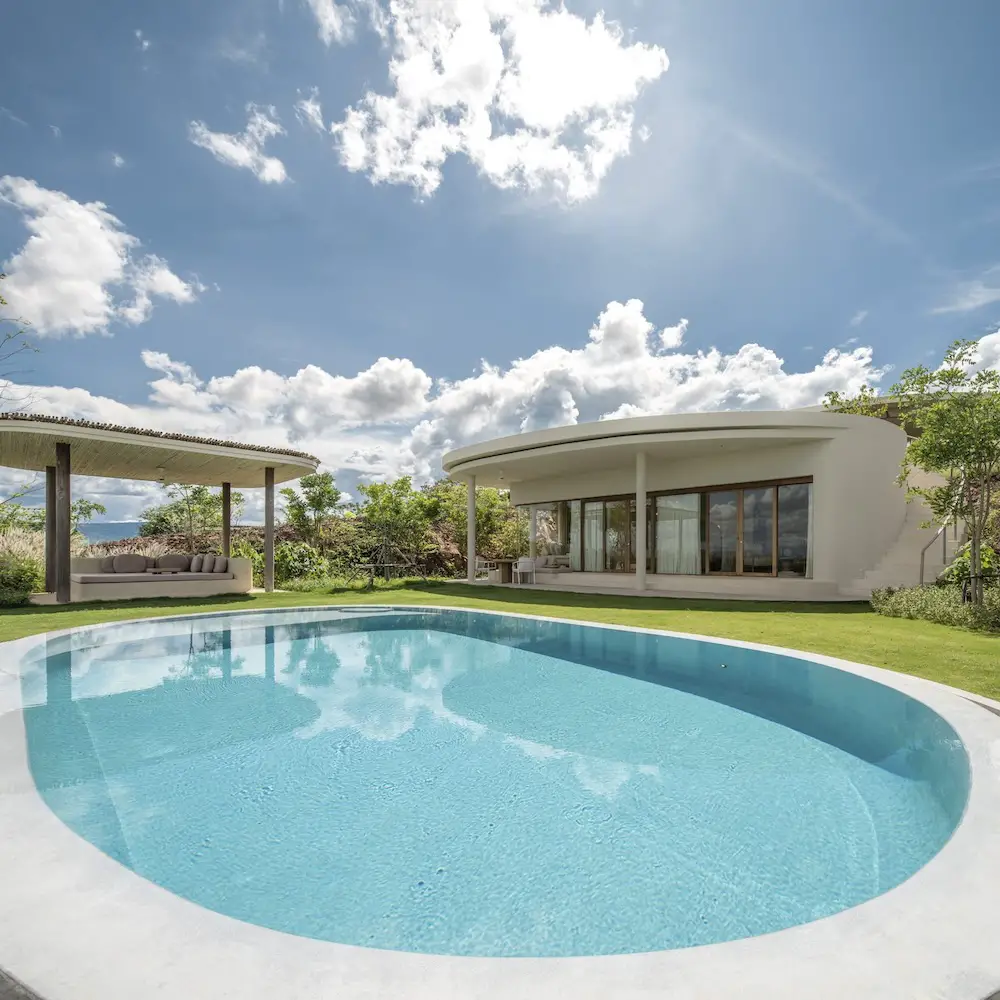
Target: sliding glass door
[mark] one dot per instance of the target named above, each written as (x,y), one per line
(593,536)
(757,530)
(723,531)
(678,534)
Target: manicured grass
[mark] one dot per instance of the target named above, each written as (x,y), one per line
(952,656)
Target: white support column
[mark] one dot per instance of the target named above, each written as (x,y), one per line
(640,521)
(470,538)
(532,531)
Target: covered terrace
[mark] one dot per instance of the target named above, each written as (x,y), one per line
(61,448)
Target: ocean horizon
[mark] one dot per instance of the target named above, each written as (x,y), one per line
(109,531)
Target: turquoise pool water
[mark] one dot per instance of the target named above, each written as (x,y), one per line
(469,784)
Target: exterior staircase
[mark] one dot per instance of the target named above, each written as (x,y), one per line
(900,566)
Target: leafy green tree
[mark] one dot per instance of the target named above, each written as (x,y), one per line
(396,521)
(309,509)
(16,515)
(497,521)
(193,511)
(956,411)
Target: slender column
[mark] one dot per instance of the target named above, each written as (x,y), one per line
(269,530)
(227,519)
(50,529)
(640,521)
(62,520)
(532,531)
(470,538)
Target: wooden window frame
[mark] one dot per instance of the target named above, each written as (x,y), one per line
(704,528)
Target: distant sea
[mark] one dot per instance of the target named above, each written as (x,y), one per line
(109,531)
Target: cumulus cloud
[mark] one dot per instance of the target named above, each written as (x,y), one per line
(117,160)
(245,150)
(80,270)
(394,418)
(534,96)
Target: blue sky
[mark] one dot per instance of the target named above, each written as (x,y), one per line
(803,178)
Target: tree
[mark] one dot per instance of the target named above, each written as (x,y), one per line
(396,521)
(956,412)
(12,344)
(193,511)
(309,508)
(16,515)
(497,528)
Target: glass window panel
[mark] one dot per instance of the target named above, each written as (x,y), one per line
(722,531)
(678,534)
(552,535)
(616,543)
(758,530)
(795,529)
(593,536)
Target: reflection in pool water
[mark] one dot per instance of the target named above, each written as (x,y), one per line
(473,784)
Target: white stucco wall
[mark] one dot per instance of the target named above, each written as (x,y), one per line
(858,509)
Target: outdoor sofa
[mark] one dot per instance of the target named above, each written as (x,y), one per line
(127,575)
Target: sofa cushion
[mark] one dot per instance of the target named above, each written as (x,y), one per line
(141,578)
(221,565)
(196,562)
(174,561)
(128,562)
(208,563)
(108,564)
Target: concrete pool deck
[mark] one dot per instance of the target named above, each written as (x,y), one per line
(76,925)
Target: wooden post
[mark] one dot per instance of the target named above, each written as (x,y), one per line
(227,519)
(62,519)
(470,538)
(269,530)
(50,529)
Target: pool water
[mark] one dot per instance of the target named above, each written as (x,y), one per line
(469,784)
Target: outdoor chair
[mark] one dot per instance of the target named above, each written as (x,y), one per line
(524,569)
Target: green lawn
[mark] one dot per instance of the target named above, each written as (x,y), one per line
(964,659)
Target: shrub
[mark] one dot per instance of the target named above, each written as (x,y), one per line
(961,569)
(20,577)
(943,605)
(242,549)
(297,560)
(151,547)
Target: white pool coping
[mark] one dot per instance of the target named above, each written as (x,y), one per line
(76,925)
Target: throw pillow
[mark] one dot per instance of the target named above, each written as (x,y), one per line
(196,562)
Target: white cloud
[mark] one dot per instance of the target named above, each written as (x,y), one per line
(536,97)
(141,39)
(56,131)
(309,111)
(334,21)
(80,270)
(989,351)
(245,149)
(117,160)
(969,296)
(859,317)
(393,418)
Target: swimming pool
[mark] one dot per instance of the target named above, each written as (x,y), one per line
(457,783)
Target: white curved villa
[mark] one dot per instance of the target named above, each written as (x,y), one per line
(768,505)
